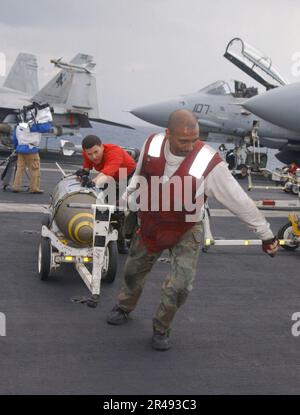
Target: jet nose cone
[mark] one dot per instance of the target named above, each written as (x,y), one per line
(158,113)
(279,106)
(256,105)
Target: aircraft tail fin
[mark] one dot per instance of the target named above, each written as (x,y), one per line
(73,88)
(23,75)
(83,60)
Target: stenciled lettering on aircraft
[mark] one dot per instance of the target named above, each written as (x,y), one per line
(60,80)
(198,108)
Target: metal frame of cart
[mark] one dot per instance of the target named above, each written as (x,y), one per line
(53,251)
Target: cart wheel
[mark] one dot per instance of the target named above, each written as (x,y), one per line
(286,232)
(110,263)
(244,171)
(295,189)
(287,187)
(46,220)
(44,258)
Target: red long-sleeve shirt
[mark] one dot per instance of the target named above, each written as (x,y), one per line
(114,158)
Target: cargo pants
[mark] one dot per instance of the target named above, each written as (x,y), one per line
(32,162)
(178,283)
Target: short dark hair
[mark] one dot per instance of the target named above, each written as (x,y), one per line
(90,141)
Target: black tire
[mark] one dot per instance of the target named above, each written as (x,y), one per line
(263,161)
(285,232)
(109,275)
(46,220)
(244,171)
(295,189)
(44,258)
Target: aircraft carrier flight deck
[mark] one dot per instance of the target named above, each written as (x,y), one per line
(234,335)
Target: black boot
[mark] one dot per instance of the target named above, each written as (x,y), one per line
(117,316)
(161,341)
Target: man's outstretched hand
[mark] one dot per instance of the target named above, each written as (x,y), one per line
(81,173)
(87,182)
(270,246)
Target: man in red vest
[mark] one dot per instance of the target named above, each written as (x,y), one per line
(178,154)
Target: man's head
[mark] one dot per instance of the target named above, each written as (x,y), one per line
(182,132)
(93,148)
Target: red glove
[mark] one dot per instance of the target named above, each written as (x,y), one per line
(270,246)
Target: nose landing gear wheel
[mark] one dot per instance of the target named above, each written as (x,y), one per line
(286,232)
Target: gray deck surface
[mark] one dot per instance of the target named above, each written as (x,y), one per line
(233,336)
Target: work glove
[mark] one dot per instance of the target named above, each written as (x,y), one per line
(87,182)
(270,246)
(81,173)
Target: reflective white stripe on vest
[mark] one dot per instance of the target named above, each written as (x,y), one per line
(155,146)
(201,161)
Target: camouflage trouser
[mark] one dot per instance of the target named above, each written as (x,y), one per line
(178,283)
(32,162)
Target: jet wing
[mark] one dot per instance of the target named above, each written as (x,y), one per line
(254,63)
(11,100)
(115,124)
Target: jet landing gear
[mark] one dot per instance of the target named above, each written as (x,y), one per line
(237,161)
(244,156)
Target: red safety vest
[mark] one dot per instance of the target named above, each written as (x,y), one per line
(162,229)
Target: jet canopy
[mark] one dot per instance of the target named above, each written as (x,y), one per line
(254,63)
(223,88)
(217,88)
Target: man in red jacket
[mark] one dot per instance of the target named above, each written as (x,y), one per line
(107,159)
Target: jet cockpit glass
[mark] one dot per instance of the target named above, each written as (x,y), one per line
(217,88)
(254,63)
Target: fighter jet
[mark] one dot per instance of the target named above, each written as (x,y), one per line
(72,93)
(281,107)
(224,115)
